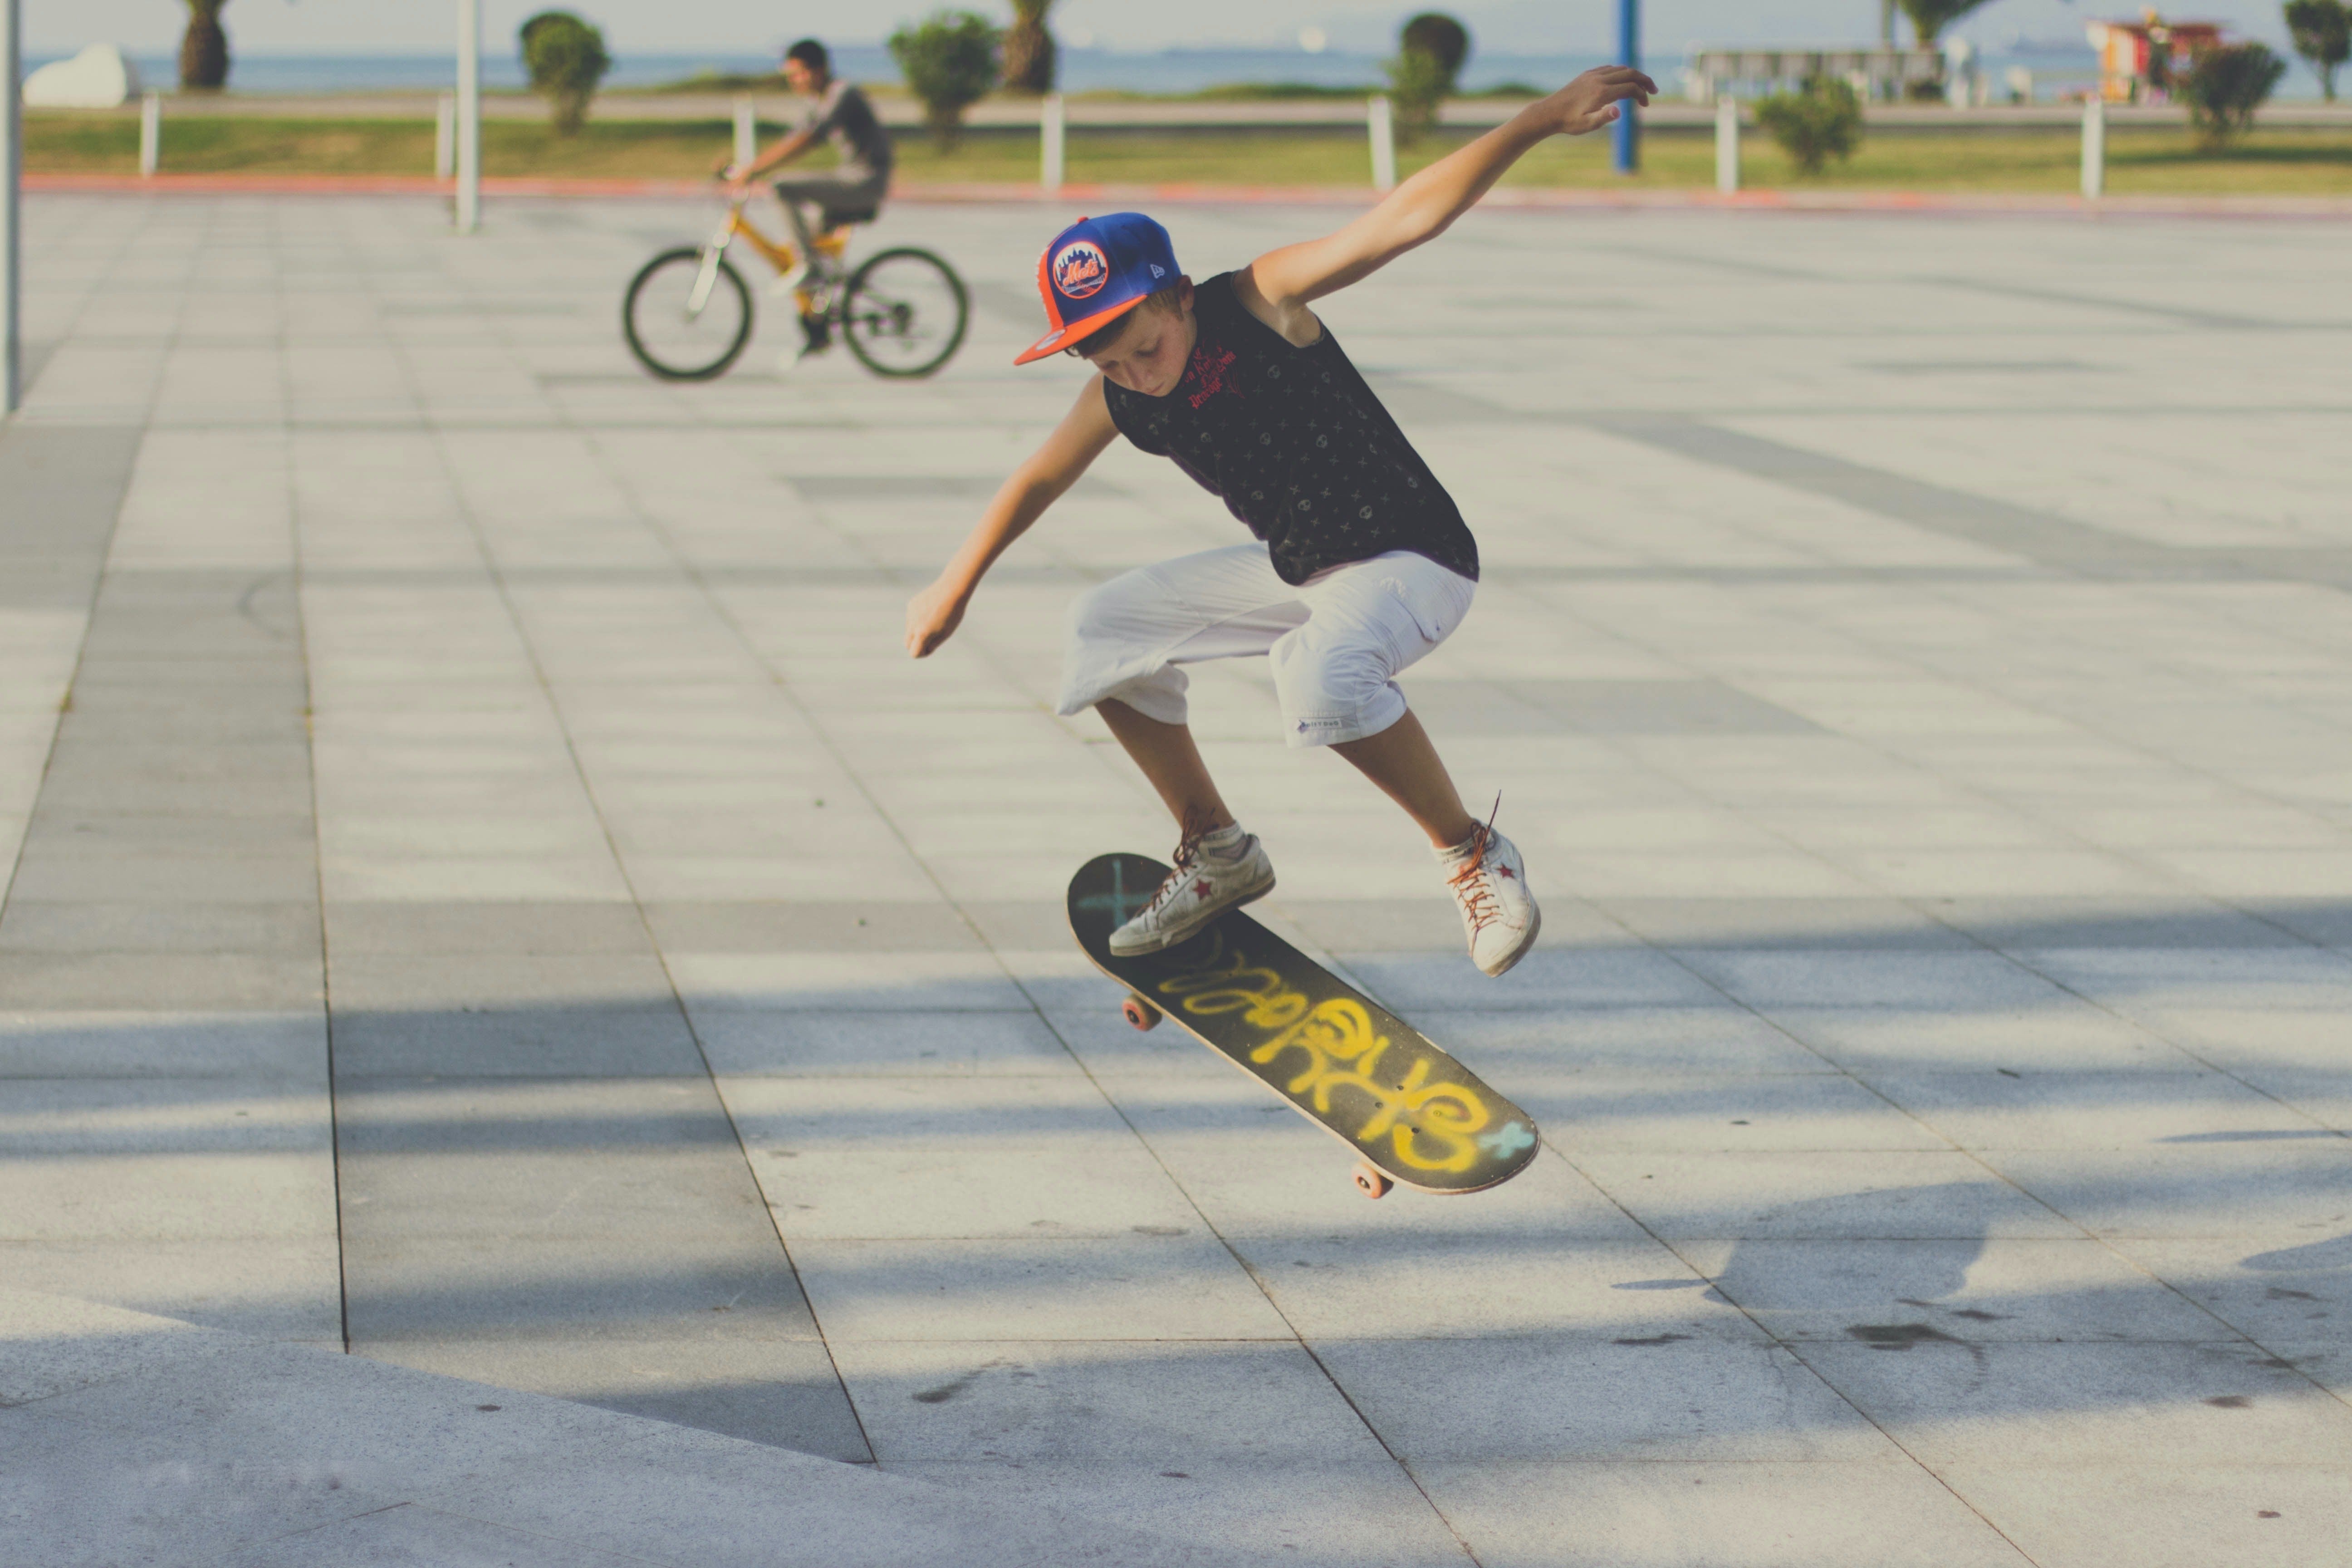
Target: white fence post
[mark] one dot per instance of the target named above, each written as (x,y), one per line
(1052,151)
(445,136)
(12,172)
(747,132)
(151,133)
(2095,148)
(1382,123)
(469,116)
(1726,146)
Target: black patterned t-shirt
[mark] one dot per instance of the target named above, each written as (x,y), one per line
(1296,444)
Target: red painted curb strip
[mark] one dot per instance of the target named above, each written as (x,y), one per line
(2023,204)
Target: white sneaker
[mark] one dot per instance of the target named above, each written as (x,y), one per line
(1490,883)
(1214,872)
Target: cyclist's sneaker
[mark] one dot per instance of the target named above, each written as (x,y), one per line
(1489,881)
(1214,872)
(816,335)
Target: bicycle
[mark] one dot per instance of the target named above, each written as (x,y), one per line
(687,313)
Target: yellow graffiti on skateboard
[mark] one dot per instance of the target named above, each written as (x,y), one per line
(1342,1050)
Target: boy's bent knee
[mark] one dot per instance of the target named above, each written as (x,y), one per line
(1331,692)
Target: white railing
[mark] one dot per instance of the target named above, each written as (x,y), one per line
(12,172)
(746,131)
(1876,71)
(1052,133)
(467,211)
(2095,150)
(150,135)
(1726,146)
(1379,119)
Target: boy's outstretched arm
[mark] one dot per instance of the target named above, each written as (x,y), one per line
(742,177)
(933,615)
(1422,208)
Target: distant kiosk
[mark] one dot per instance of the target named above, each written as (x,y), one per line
(1876,70)
(2130,51)
(98,78)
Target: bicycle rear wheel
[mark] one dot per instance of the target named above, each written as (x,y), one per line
(687,314)
(904,313)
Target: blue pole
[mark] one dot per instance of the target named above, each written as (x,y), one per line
(1627,132)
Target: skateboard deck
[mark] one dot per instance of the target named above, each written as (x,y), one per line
(1410,1112)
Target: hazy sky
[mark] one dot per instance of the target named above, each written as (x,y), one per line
(686,27)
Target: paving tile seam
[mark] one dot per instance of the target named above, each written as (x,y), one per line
(823,732)
(2204,1059)
(1890,751)
(2166,1265)
(1899,1108)
(1788,1347)
(692,571)
(521,629)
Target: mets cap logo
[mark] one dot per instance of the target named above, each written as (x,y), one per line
(1080,269)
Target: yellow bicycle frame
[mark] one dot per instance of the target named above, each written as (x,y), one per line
(782,257)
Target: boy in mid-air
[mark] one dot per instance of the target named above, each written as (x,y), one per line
(1363,563)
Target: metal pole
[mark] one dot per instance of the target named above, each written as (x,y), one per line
(1380,120)
(1726,146)
(747,132)
(445,136)
(12,212)
(470,115)
(2095,148)
(151,133)
(1627,154)
(1053,151)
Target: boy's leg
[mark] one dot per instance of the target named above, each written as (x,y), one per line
(1334,675)
(1172,761)
(1404,763)
(1400,760)
(1127,640)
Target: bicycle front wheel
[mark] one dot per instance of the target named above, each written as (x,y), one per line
(904,313)
(687,314)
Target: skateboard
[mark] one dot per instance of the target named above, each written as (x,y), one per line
(1410,1112)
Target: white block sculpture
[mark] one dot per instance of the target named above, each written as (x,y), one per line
(98,78)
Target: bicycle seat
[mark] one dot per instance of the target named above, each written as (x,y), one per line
(842,218)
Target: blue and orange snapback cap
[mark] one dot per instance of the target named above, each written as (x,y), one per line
(1095,271)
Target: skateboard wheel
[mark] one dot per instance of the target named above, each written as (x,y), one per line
(1371,1182)
(1139,1012)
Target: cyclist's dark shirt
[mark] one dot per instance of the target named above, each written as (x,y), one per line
(843,117)
(1297,445)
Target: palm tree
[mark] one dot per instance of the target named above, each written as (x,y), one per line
(1029,49)
(204,51)
(1930,17)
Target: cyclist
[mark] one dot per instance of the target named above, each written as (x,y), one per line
(841,114)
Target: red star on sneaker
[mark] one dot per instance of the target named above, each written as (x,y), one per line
(1504,872)
(1201,887)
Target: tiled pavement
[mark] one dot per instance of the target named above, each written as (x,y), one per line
(492,894)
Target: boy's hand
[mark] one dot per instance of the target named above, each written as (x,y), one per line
(932,616)
(1590,102)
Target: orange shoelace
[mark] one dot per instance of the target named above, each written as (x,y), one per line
(1478,897)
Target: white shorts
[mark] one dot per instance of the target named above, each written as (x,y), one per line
(1338,640)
